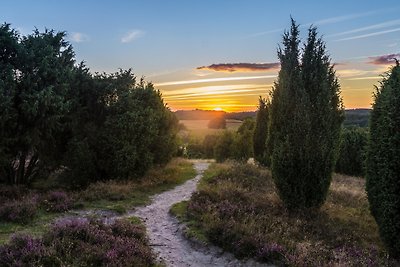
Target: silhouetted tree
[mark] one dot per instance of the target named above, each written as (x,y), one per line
(383,157)
(306,115)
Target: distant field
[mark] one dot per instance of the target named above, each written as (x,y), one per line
(199,128)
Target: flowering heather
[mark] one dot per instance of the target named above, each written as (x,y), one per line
(57,201)
(81,242)
(19,210)
(238,209)
(23,250)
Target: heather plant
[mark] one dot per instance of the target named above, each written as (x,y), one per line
(57,201)
(305,121)
(23,250)
(383,157)
(237,208)
(81,242)
(20,210)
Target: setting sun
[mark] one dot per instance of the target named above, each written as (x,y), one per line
(218,109)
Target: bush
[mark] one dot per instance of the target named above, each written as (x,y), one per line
(383,157)
(225,146)
(305,122)
(23,250)
(209,144)
(19,210)
(352,151)
(243,144)
(79,242)
(57,201)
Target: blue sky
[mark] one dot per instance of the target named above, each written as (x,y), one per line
(166,41)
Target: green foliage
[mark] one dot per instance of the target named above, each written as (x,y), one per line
(261,133)
(209,144)
(306,115)
(383,157)
(224,148)
(218,122)
(352,151)
(243,144)
(121,128)
(36,75)
(56,117)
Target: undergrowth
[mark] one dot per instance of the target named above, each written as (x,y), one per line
(237,208)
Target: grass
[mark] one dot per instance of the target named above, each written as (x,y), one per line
(237,208)
(192,232)
(117,196)
(199,128)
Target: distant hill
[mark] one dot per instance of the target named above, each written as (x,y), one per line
(353,117)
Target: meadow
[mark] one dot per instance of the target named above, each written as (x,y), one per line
(199,128)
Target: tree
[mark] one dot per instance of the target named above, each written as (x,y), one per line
(217,123)
(37,74)
(352,151)
(261,133)
(120,127)
(209,143)
(224,146)
(243,144)
(383,157)
(306,115)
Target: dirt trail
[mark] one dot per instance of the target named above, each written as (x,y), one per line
(167,239)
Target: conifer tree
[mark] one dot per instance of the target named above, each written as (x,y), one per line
(261,133)
(306,114)
(383,158)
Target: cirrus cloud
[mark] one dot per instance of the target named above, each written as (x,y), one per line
(241,67)
(384,59)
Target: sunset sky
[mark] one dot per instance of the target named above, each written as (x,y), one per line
(218,54)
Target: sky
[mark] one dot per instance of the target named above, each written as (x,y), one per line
(215,54)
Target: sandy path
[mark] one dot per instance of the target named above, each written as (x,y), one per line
(168,241)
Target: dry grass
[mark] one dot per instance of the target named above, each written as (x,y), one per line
(237,208)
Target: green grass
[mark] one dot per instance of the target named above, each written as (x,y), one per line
(36,227)
(116,196)
(193,231)
(237,207)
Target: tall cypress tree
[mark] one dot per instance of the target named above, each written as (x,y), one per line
(261,133)
(383,157)
(306,114)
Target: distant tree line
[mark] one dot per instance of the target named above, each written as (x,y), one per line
(57,117)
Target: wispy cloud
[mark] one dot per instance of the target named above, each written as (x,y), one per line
(369,35)
(384,59)
(322,22)
(131,36)
(214,80)
(342,18)
(371,27)
(241,67)
(79,37)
